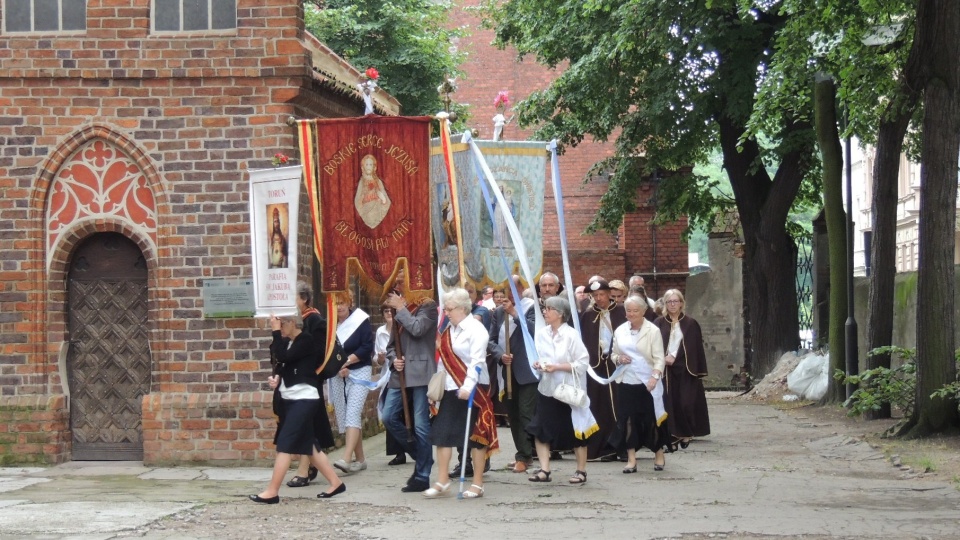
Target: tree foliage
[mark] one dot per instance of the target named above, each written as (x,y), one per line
(408,41)
(671,81)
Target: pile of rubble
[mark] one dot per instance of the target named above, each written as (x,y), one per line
(774,386)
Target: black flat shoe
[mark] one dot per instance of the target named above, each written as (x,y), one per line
(655,467)
(630,470)
(340,489)
(298,481)
(416,486)
(312,473)
(269,500)
(400,459)
(684,444)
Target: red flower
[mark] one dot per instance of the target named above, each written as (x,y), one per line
(280,159)
(502,99)
(372,73)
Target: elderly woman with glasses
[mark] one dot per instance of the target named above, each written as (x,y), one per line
(463,355)
(563,358)
(686,363)
(296,354)
(641,415)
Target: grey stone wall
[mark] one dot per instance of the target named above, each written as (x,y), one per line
(715,300)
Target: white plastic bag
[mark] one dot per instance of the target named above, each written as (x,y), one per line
(811,377)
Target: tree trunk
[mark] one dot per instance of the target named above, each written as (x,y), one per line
(938,196)
(770,253)
(825,95)
(883,242)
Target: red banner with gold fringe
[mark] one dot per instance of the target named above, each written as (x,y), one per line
(369,185)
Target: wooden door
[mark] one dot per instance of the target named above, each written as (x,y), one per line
(108,365)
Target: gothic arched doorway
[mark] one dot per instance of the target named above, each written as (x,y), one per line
(108,365)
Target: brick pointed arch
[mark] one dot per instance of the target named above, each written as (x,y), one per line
(50,278)
(98,175)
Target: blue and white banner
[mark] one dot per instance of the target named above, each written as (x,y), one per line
(519,170)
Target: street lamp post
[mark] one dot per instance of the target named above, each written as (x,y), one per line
(850,328)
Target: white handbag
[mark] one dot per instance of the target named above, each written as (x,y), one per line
(571,394)
(436,386)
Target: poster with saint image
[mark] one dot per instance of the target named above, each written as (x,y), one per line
(274,203)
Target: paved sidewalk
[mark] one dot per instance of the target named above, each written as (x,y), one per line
(762,473)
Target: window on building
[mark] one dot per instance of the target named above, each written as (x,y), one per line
(194,15)
(867,239)
(44,16)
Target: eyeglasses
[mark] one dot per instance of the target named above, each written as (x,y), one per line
(674,302)
(448,309)
(548,308)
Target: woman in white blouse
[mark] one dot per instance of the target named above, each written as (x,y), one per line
(641,418)
(463,355)
(556,425)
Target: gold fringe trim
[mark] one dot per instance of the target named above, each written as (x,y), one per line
(585,434)
(662,419)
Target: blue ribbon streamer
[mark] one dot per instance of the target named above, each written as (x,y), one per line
(558,198)
(528,342)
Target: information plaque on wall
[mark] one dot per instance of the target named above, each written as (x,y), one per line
(228,297)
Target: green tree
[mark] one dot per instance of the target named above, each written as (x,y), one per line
(865,46)
(938,31)
(670,80)
(408,41)
(888,56)
(832,158)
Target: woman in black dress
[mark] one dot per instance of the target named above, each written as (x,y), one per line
(296,356)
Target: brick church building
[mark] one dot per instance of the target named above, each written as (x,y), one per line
(126,129)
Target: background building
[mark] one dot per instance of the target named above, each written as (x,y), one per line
(656,253)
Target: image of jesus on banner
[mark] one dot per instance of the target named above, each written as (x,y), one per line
(372,201)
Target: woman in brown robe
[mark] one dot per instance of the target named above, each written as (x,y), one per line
(686,402)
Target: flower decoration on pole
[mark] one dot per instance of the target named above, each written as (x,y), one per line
(501,102)
(447,87)
(367,86)
(280,159)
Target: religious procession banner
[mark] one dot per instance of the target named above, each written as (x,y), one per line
(369,187)
(519,169)
(274,204)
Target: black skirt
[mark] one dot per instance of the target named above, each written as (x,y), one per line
(552,425)
(321,422)
(450,423)
(636,421)
(296,434)
(321,427)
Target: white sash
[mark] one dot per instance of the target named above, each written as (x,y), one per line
(350,325)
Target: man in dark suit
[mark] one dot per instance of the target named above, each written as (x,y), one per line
(416,328)
(522,404)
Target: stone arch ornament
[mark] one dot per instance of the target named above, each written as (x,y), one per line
(99,181)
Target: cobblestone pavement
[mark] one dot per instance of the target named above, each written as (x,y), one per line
(763,473)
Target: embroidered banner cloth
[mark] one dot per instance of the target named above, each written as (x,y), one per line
(370,190)
(519,168)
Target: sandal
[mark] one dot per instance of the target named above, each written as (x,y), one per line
(312,473)
(579,477)
(298,481)
(540,476)
(473,494)
(437,490)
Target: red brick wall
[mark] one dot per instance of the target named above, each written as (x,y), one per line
(194,111)
(490,70)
